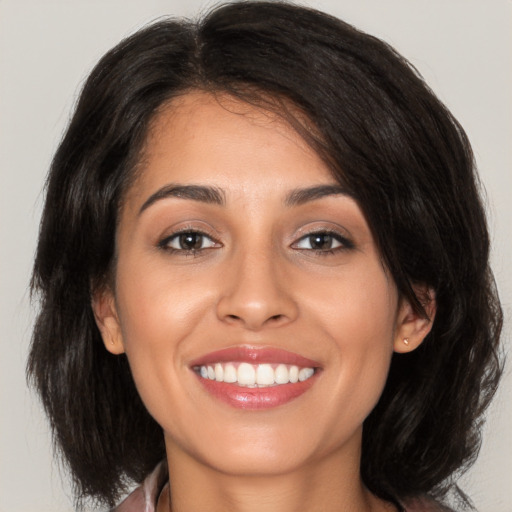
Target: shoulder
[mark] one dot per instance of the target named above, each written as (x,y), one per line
(145,496)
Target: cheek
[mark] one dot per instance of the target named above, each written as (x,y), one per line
(357,308)
(158,304)
(160,313)
(359,318)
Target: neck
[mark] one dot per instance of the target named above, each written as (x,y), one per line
(330,484)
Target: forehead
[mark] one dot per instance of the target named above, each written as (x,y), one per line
(221,140)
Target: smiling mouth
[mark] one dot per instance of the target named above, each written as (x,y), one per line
(255,378)
(254,375)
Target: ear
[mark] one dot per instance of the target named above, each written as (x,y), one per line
(105,313)
(411,327)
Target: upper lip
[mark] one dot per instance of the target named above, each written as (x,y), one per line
(254,355)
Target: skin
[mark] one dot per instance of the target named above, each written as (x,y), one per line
(256,280)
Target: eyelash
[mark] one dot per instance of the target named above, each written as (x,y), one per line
(345,243)
(164,243)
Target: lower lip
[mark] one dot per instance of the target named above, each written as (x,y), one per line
(256,398)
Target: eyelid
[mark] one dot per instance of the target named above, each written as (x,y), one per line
(164,240)
(166,243)
(336,231)
(335,237)
(343,242)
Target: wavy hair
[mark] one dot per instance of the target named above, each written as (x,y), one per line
(385,137)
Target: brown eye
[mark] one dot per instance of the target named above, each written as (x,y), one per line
(188,241)
(319,242)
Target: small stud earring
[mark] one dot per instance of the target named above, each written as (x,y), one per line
(406,341)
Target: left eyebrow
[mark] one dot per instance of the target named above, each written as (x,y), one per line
(305,195)
(201,193)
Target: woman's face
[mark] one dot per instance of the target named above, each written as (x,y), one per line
(241,261)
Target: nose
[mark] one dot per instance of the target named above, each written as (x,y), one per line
(256,293)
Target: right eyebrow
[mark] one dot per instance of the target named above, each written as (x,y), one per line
(201,193)
(305,195)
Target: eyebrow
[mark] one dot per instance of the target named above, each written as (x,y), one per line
(201,193)
(305,195)
(213,195)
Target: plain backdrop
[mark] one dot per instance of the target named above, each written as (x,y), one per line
(463,48)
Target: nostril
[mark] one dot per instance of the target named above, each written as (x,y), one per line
(270,319)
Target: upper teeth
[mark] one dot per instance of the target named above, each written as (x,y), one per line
(245,374)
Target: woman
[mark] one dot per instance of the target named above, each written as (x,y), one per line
(263,259)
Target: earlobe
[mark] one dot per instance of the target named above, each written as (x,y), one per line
(107,320)
(412,327)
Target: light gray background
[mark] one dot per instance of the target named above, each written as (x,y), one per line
(462,47)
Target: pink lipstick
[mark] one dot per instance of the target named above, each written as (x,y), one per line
(255,378)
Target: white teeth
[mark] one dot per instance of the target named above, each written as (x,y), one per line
(219,373)
(246,375)
(230,373)
(264,375)
(282,375)
(258,375)
(305,373)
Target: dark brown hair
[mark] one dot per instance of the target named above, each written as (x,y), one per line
(385,136)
